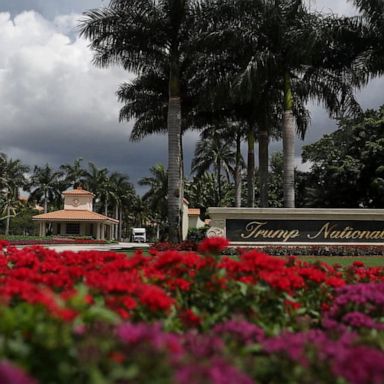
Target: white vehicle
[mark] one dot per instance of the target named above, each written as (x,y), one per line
(139,235)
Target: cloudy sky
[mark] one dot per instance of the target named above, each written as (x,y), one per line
(55,106)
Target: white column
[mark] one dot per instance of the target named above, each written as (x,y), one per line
(41,228)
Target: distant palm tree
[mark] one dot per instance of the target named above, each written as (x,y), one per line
(46,185)
(157,195)
(74,173)
(122,193)
(96,180)
(12,179)
(201,192)
(214,151)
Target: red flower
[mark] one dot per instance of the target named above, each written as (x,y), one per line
(289,304)
(358,264)
(190,319)
(66,314)
(3,244)
(335,282)
(213,245)
(155,298)
(117,357)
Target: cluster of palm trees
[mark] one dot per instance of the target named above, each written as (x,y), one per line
(251,65)
(115,196)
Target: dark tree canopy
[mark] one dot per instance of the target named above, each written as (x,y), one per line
(348,165)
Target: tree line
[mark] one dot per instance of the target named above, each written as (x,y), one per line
(249,66)
(346,171)
(115,196)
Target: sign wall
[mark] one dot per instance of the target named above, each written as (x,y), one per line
(306,231)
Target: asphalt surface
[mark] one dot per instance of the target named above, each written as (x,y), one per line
(93,247)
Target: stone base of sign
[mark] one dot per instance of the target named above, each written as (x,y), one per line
(297,226)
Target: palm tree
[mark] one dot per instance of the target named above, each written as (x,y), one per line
(146,101)
(214,151)
(142,35)
(277,51)
(97,181)
(74,173)
(297,55)
(372,56)
(12,179)
(201,192)
(122,193)
(301,49)
(46,184)
(157,195)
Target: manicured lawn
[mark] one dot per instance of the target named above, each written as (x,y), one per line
(369,261)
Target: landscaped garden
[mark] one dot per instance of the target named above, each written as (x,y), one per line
(187,317)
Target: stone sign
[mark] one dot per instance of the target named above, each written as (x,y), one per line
(306,231)
(298,226)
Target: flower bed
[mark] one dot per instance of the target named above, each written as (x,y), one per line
(286,250)
(187,317)
(25,240)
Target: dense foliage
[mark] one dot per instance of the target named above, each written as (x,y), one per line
(187,317)
(347,165)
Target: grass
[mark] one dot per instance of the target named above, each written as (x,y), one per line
(369,261)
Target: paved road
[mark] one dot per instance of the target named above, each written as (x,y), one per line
(98,247)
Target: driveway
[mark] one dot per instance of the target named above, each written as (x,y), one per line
(92,247)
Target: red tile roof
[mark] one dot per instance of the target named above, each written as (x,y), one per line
(73,215)
(193,211)
(78,192)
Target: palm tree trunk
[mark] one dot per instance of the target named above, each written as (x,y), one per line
(182,173)
(45,202)
(251,168)
(263,167)
(106,206)
(120,226)
(174,153)
(8,219)
(238,172)
(288,145)
(116,227)
(218,183)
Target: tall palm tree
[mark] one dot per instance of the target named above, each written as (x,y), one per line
(298,48)
(46,184)
(297,55)
(142,35)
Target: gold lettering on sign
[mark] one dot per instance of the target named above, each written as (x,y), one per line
(255,230)
(327,231)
